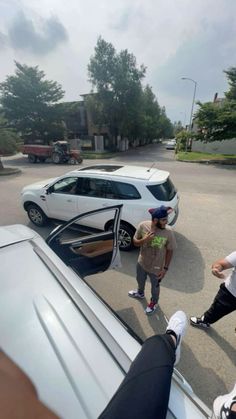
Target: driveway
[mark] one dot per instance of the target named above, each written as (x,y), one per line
(205,231)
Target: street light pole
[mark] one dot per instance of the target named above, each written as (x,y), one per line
(184,113)
(191,114)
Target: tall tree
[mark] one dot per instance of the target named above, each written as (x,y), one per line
(231,77)
(151,124)
(29,103)
(166,127)
(117,80)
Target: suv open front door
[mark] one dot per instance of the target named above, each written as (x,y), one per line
(88,251)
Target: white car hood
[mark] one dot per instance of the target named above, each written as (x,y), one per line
(14,234)
(38,185)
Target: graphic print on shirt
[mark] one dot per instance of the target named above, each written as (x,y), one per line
(159,242)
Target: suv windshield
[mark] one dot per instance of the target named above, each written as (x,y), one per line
(163,192)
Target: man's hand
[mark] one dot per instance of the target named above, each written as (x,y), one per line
(216,270)
(220,265)
(148,237)
(161,274)
(145,239)
(18,396)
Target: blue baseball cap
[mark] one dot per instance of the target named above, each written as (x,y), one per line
(160,212)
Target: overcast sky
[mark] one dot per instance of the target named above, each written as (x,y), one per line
(173,38)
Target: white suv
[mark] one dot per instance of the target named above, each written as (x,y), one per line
(137,188)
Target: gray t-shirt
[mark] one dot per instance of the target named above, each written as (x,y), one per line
(152,254)
(230,281)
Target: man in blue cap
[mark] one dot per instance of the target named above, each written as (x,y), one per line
(157,242)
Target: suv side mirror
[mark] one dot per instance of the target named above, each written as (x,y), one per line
(49,190)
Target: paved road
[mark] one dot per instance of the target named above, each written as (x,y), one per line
(205,231)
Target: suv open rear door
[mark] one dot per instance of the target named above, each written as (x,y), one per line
(88,251)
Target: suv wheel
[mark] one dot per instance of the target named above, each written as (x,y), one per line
(36,215)
(126,234)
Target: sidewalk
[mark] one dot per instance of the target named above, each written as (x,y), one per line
(207,161)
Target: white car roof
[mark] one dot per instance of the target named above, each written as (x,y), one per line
(14,234)
(44,332)
(63,336)
(126,171)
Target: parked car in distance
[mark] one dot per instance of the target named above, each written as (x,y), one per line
(137,188)
(60,333)
(170,145)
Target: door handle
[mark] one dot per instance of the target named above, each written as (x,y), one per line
(69,200)
(105,205)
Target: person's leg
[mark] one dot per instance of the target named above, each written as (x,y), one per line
(225,406)
(155,287)
(223,304)
(141,276)
(144,392)
(155,292)
(232,414)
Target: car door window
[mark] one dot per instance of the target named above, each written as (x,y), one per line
(93,187)
(126,191)
(107,189)
(67,185)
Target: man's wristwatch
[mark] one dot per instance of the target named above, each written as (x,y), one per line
(166,268)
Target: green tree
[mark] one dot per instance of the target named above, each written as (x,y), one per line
(151,115)
(217,121)
(182,138)
(117,80)
(166,127)
(29,103)
(231,76)
(178,127)
(8,139)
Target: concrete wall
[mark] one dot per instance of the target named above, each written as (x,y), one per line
(216,147)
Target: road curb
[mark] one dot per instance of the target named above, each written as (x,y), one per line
(9,171)
(223,162)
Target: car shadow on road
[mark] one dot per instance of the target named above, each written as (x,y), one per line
(228,349)
(186,273)
(42,231)
(156,321)
(190,367)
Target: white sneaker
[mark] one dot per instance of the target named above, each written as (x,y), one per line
(222,404)
(136,294)
(178,323)
(151,308)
